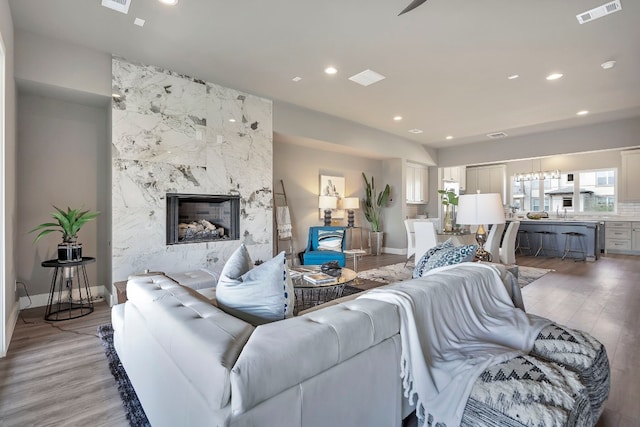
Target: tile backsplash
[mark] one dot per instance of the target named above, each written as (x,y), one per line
(629,209)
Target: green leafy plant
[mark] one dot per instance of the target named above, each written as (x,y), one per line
(449,197)
(374,202)
(68,223)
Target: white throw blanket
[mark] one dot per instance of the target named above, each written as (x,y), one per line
(283,219)
(455,321)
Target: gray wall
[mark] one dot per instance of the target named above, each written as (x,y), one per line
(63,160)
(602,136)
(300,167)
(8,215)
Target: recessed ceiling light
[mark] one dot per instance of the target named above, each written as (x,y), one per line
(296,79)
(139,22)
(416,131)
(330,70)
(513,76)
(582,113)
(608,65)
(115,95)
(232,120)
(397,118)
(449,137)
(554,76)
(169,2)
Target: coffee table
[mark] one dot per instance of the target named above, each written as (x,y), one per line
(309,294)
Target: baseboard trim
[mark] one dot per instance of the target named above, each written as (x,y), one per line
(11,326)
(394,251)
(41,300)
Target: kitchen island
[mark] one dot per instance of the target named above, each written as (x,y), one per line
(558,226)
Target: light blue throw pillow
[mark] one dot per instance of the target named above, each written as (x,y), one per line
(257,295)
(451,256)
(420,265)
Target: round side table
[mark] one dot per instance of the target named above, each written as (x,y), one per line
(69,275)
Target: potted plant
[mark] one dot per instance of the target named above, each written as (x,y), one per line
(68,223)
(373,204)
(449,198)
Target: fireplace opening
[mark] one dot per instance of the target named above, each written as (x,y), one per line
(196,218)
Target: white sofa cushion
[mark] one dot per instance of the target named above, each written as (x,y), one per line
(257,295)
(305,346)
(201,340)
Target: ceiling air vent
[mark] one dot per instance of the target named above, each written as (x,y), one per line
(599,11)
(497,135)
(119,5)
(367,77)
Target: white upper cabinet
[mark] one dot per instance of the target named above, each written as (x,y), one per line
(417,183)
(487,179)
(630,176)
(457,174)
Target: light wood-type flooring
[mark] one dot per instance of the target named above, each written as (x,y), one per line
(56,374)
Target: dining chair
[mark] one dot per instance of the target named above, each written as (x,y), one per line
(493,241)
(411,241)
(508,249)
(425,237)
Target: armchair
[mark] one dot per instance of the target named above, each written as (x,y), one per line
(325,244)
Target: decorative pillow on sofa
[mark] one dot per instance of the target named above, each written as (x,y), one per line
(256,295)
(451,256)
(419,269)
(330,240)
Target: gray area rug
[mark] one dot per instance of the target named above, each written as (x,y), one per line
(135,413)
(398,272)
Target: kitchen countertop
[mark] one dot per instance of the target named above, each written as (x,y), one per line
(577,219)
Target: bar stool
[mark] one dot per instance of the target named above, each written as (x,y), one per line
(569,237)
(523,234)
(550,237)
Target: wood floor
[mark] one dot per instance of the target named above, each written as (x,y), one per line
(56,374)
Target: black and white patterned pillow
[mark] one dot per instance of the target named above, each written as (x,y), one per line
(419,269)
(330,240)
(452,256)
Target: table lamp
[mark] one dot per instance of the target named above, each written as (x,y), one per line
(327,203)
(351,203)
(480,209)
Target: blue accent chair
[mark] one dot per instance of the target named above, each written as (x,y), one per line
(315,256)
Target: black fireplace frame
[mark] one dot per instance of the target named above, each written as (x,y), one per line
(173,203)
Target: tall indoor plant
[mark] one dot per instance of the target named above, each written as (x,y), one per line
(68,223)
(373,204)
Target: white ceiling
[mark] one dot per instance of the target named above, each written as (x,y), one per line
(446,63)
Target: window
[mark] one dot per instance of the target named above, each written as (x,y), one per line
(596,191)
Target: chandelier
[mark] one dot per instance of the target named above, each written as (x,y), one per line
(535,176)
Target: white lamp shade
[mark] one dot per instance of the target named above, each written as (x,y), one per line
(351,203)
(328,202)
(476,209)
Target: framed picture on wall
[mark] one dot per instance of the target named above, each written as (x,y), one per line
(332,186)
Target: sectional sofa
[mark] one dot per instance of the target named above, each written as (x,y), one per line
(193,364)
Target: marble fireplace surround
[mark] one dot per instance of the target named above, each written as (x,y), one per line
(172,133)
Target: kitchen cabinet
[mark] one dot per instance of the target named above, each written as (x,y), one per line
(456,174)
(630,176)
(487,179)
(417,183)
(635,237)
(618,236)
